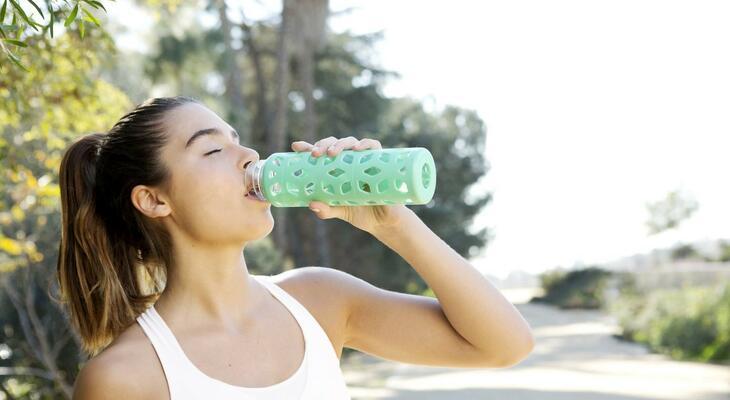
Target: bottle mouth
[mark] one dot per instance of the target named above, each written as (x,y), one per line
(252,179)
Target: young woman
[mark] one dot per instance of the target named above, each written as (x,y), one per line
(151,267)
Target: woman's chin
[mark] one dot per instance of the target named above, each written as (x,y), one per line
(260,231)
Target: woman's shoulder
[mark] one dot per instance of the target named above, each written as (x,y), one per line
(126,368)
(321,292)
(309,286)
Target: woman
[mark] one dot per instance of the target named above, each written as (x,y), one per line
(155,220)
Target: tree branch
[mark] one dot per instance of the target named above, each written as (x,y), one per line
(26,371)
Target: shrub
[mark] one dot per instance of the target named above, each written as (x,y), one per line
(581,288)
(686,324)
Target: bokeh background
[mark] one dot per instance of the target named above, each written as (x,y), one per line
(598,204)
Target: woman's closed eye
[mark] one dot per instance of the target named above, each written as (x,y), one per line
(211,152)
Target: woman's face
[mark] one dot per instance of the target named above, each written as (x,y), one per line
(207,192)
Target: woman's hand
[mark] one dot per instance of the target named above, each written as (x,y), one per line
(367,218)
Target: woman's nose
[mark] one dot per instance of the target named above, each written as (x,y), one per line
(250,157)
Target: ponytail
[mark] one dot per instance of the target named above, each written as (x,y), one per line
(90,281)
(113,260)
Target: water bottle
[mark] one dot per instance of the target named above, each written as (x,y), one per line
(351,178)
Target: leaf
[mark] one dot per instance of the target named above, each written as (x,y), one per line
(91,17)
(9,27)
(22,13)
(21,28)
(71,16)
(17,62)
(95,4)
(37,8)
(16,42)
(81,28)
(2,11)
(53,21)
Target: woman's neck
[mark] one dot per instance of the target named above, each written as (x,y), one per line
(220,295)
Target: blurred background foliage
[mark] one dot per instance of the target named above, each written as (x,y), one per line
(679,307)
(681,314)
(275,81)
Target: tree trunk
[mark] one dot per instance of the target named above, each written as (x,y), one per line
(278,132)
(320,242)
(261,126)
(233,79)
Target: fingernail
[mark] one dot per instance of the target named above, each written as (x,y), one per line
(315,209)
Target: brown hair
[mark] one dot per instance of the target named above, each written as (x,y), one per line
(112,259)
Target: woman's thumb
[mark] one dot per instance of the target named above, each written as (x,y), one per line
(322,210)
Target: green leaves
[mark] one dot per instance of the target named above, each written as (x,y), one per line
(2,11)
(19,10)
(72,16)
(50,11)
(36,7)
(95,4)
(90,17)
(21,20)
(17,62)
(15,42)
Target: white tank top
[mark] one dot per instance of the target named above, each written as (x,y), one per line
(319,376)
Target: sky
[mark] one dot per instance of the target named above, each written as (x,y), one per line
(592,110)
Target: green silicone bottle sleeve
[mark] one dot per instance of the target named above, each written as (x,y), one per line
(366,177)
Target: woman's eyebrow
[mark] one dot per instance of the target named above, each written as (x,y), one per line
(208,131)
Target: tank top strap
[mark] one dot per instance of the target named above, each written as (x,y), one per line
(326,380)
(166,348)
(308,322)
(282,295)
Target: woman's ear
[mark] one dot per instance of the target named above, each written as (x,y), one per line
(150,202)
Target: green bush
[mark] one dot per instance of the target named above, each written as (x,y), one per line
(582,288)
(686,324)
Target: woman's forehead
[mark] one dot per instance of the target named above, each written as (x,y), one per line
(189,118)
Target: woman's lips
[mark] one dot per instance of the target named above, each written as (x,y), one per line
(253,197)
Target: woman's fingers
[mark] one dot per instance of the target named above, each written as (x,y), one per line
(322,145)
(342,144)
(301,145)
(333,146)
(368,143)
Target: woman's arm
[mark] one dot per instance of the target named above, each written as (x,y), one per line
(471,323)
(471,305)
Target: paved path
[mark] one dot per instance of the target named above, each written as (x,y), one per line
(576,357)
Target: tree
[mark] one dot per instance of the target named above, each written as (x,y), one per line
(58,99)
(670,212)
(724,251)
(20,20)
(23,17)
(685,252)
(309,23)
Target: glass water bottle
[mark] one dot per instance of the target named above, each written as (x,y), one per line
(351,178)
